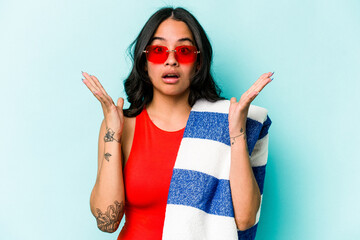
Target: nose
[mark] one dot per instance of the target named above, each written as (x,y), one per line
(171,60)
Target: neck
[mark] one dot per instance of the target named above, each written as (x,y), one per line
(168,112)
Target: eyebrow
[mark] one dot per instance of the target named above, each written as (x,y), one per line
(179,40)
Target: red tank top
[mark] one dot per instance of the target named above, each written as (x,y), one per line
(147,176)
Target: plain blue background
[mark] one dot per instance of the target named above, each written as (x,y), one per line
(50,120)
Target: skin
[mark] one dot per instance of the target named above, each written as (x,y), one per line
(169,110)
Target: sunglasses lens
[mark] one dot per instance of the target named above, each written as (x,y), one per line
(156,54)
(159,54)
(186,54)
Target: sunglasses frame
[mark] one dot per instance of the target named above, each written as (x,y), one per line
(168,52)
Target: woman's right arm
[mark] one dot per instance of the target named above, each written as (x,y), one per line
(108,197)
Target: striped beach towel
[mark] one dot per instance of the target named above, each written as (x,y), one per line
(199,204)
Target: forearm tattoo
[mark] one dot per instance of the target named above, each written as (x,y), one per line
(107,156)
(242,133)
(110,220)
(109,136)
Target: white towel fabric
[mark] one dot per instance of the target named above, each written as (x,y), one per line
(199,203)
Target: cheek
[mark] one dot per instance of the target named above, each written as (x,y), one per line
(191,70)
(152,70)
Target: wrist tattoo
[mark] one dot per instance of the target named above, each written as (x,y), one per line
(242,133)
(110,220)
(109,136)
(107,156)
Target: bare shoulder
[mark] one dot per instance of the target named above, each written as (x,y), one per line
(129,127)
(127,137)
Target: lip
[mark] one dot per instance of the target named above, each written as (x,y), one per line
(172,79)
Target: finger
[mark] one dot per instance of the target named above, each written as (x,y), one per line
(98,84)
(253,95)
(232,106)
(95,92)
(98,94)
(262,77)
(260,80)
(91,82)
(263,84)
(120,103)
(104,93)
(233,102)
(268,74)
(246,101)
(98,90)
(89,86)
(255,84)
(105,99)
(263,80)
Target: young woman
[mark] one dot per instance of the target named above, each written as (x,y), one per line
(138,146)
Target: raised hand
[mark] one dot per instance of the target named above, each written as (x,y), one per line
(238,111)
(114,117)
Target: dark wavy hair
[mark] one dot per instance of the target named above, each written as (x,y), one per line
(138,86)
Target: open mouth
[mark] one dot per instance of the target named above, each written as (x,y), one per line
(171,78)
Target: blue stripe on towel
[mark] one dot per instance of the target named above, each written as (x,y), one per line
(265,128)
(208,125)
(248,234)
(253,129)
(202,191)
(215,126)
(259,173)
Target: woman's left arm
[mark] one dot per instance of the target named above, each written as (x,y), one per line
(244,188)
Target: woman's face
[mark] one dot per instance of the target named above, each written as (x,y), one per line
(171,33)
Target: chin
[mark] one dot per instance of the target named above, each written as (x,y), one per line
(175,92)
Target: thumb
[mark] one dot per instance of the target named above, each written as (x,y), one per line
(232,102)
(120,103)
